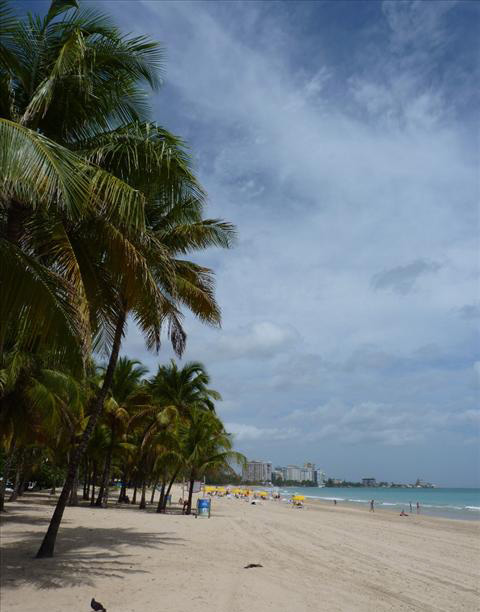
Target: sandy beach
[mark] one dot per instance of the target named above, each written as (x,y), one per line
(317,558)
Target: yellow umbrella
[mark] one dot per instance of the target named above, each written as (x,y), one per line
(298,498)
(263,494)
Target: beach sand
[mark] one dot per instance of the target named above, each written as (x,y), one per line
(317,558)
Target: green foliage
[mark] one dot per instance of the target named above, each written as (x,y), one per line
(99,211)
(48,475)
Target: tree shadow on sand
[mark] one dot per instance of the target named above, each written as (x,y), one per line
(82,556)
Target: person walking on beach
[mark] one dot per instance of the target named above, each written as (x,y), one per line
(372,509)
(411,510)
(418,508)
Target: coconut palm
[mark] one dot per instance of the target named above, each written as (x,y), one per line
(175,393)
(126,396)
(182,389)
(37,404)
(80,167)
(206,446)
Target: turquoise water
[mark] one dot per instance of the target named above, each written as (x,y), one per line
(450,503)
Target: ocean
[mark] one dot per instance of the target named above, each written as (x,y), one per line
(448,503)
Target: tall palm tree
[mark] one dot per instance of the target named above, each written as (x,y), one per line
(127,395)
(176,393)
(80,167)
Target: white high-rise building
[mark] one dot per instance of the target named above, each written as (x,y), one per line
(257,471)
(320,477)
(294,473)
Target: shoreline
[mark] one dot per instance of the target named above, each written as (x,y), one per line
(318,504)
(425,511)
(428,507)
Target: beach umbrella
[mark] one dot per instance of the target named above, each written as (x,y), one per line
(298,498)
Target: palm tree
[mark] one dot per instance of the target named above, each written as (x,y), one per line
(126,396)
(175,393)
(182,389)
(37,404)
(206,446)
(80,167)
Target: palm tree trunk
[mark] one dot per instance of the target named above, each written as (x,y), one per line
(162,496)
(6,472)
(101,489)
(73,500)
(48,544)
(143,501)
(123,490)
(23,480)
(86,480)
(154,488)
(170,485)
(18,472)
(134,498)
(94,482)
(106,481)
(190,493)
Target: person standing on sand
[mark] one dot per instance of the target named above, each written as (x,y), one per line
(372,509)
(411,507)
(418,508)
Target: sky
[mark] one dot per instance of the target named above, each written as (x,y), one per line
(342,140)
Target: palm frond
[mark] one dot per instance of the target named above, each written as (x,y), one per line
(38,306)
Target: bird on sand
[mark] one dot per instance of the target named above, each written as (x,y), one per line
(97,606)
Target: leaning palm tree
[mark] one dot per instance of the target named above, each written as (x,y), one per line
(126,396)
(88,165)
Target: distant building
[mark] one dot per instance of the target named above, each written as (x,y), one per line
(369,482)
(257,471)
(308,472)
(294,473)
(320,477)
(421,484)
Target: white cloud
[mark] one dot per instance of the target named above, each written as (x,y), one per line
(244,432)
(262,339)
(370,422)
(333,170)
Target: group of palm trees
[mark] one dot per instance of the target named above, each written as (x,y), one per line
(99,212)
(151,432)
